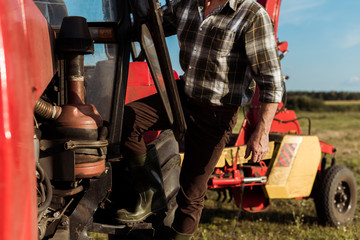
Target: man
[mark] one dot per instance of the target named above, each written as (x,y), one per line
(224,46)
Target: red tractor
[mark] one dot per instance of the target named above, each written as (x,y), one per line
(63,84)
(64,80)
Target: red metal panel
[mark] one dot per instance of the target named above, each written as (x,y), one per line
(26,67)
(140,83)
(254,199)
(327,148)
(286,122)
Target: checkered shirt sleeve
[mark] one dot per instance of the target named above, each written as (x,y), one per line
(262,54)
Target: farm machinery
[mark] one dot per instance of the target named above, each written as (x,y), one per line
(297,166)
(64,81)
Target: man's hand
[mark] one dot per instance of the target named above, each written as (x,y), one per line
(258,143)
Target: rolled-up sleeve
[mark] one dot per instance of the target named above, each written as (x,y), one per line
(262,54)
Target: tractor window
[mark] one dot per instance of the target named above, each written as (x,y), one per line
(53,10)
(95,11)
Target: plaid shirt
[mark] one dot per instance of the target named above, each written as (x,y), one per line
(222,54)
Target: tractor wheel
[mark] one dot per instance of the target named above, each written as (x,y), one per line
(337,196)
(168,154)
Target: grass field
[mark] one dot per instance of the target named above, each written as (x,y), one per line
(289,219)
(342,102)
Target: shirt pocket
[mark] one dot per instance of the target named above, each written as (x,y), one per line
(219,41)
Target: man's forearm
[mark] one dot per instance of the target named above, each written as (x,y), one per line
(258,143)
(266,116)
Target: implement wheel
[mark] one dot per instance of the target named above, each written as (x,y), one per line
(337,196)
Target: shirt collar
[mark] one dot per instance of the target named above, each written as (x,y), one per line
(232,3)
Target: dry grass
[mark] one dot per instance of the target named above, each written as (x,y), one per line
(342,102)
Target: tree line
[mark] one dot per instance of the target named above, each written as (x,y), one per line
(315,101)
(327,95)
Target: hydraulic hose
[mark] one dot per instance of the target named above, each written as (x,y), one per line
(47,110)
(49,190)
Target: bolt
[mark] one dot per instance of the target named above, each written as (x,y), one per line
(56,214)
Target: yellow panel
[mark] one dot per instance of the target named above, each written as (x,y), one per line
(229,153)
(294,168)
(300,186)
(227,156)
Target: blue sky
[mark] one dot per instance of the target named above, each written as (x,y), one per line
(324,44)
(323,36)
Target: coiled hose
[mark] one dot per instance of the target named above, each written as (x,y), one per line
(47,110)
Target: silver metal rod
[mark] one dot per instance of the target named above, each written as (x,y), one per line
(262,179)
